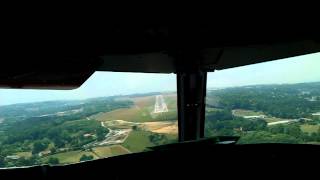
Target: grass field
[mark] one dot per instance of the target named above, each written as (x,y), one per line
(24,154)
(119,150)
(274,119)
(142,111)
(133,114)
(138,141)
(102,151)
(209,109)
(172,137)
(69,157)
(143,102)
(162,127)
(309,128)
(242,112)
(108,151)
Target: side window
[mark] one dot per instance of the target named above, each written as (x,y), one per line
(271,102)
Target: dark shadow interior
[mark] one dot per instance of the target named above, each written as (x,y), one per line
(63,61)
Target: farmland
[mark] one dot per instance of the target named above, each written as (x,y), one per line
(68,137)
(310,128)
(69,157)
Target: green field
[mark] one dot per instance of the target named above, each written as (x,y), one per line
(310,128)
(172,137)
(108,151)
(142,111)
(102,151)
(209,109)
(242,112)
(274,119)
(24,154)
(138,141)
(69,157)
(119,150)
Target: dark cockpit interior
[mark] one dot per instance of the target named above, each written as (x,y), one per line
(63,58)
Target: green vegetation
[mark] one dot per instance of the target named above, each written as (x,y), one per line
(307,128)
(142,111)
(33,130)
(267,137)
(39,146)
(257,131)
(158,139)
(2,162)
(278,102)
(24,154)
(283,101)
(210,109)
(140,140)
(108,151)
(274,119)
(118,150)
(53,161)
(63,132)
(242,112)
(102,151)
(69,157)
(86,157)
(62,110)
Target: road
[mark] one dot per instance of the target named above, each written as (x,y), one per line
(115,136)
(160,106)
(283,122)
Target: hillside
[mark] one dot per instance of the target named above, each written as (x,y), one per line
(68,131)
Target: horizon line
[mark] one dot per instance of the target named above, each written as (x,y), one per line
(169,91)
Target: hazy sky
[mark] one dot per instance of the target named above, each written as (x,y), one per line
(291,70)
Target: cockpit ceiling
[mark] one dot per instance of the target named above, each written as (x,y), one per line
(65,59)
